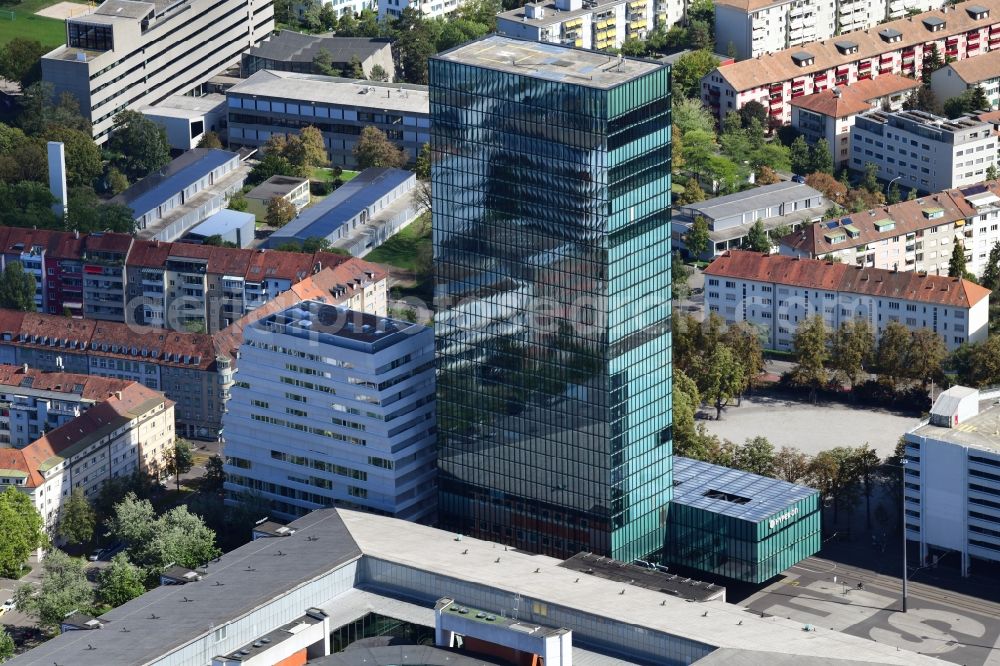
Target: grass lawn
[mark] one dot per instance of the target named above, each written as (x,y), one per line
(50,32)
(403,249)
(322,173)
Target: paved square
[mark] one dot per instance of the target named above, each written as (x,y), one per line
(64,10)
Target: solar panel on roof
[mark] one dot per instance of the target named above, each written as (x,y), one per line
(845,220)
(832,225)
(974,189)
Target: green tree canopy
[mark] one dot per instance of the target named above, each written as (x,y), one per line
(756,239)
(811,354)
(181,459)
(280,211)
(800,156)
(210,140)
(689,69)
(63,589)
(77,518)
(892,354)
(374,149)
(423,165)
(6,646)
(21,526)
(697,239)
(956,264)
(723,378)
(20,60)
(120,581)
(17,288)
(852,348)
(140,145)
(756,456)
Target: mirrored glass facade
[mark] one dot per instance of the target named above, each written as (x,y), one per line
(551,224)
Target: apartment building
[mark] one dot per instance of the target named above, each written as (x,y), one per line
(951,485)
(590,24)
(756,27)
(830,114)
(193,187)
(916,235)
(284,102)
(350,398)
(900,46)
(786,205)
(775,293)
(980,72)
(290,51)
(103,267)
(92,430)
(128,55)
(392,9)
(923,151)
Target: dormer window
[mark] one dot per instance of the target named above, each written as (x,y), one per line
(803,58)
(846,47)
(890,35)
(978,12)
(935,23)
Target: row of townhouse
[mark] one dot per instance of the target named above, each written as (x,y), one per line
(195,370)
(916,235)
(775,293)
(177,286)
(963,31)
(130,428)
(755,27)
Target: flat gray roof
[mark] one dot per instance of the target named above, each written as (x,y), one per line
(549,61)
(766,196)
(723,490)
(185,106)
(553,15)
(275,186)
(297,87)
(291,46)
(981,431)
(250,577)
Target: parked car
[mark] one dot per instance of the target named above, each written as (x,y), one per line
(798,179)
(7,606)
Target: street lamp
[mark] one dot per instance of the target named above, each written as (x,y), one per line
(889,186)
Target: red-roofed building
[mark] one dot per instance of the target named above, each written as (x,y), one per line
(61,431)
(776,293)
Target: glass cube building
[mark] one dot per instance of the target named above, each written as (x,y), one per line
(551,216)
(739,525)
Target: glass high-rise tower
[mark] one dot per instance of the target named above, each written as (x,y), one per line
(551,215)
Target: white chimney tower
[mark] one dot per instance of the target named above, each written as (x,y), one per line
(57,176)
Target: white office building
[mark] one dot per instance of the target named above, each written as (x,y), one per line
(775,293)
(595,24)
(923,151)
(334,407)
(129,55)
(952,480)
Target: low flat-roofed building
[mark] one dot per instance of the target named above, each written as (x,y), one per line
(186,119)
(785,205)
(232,226)
(166,204)
(737,524)
(829,114)
(954,78)
(360,215)
(290,51)
(344,566)
(292,189)
(271,102)
(951,481)
(776,292)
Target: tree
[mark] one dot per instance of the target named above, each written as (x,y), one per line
(280,211)
(238,202)
(120,581)
(790,465)
(423,164)
(891,357)
(633,48)
(688,115)
(820,158)
(63,589)
(20,60)
(697,239)
(116,181)
(894,194)
(800,156)
(723,378)
(77,519)
(21,526)
(375,150)
(832,473)
(83,158)
(866,465)
(811,354)
(755,456)
(686,402)
(956,265)
(141,145)
(765,175)
(210,140)
(830,187)
(930,65)
(181,459)
(924,100)
(86,213)
(311,149)
(689,70)
(328,18)
(17,288)
(378,73)
(6,646)
(753,110)
(756,239)
(214,476)
(870,181)
(414,45)
(692,193)
(851,349)
(991,273)
(270,165)
(323,63)
(926,355)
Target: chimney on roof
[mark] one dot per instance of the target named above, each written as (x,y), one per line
(24,368)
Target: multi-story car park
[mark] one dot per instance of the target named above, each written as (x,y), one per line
(923,151)
(917,235)
(775,293)
(128,55)
(952,481)
(334,407)
(901,46)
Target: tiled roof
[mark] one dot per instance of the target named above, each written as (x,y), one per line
(832,276)
(749,5)
(56,244)
(89,387)
(856,98)
(149,254)
(107,242)
(779,66)
(907,216)
(980,68)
